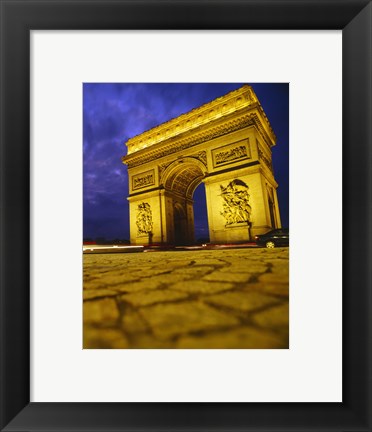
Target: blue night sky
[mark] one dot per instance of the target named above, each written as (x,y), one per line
(113,113)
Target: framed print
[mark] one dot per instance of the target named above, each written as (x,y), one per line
(195,207)
(47,381)
(110,299)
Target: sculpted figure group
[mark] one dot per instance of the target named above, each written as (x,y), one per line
(144,218)
(236,208)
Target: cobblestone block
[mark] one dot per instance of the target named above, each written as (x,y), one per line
(97,293)
(152,297)
(95,338)
(194,271)
(149,341)
(242,301)
(132,322)
(274,318)
(280,268)
(202,287)
(280,261)
(109,279)
(246,268)
(210,261)
(274,277)
(227,277)
(112,279)
(168,320)
(95,269)
(170,278)
(147,272)
(279,289)
(173,264)
(143,285)
(94,284)
(104,312)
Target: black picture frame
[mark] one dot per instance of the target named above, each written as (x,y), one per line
(354,18)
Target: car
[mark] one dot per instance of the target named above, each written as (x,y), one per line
(274,238)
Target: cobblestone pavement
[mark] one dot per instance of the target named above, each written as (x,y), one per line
(235,298)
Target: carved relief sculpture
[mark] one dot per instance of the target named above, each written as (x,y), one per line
(202,156)
(143,180)
(236,208)
(231,154)
(144,219)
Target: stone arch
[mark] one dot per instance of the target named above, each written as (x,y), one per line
(226,144)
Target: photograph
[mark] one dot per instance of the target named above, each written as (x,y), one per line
(186,216)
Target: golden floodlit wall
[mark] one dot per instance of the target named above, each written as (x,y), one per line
(227,145)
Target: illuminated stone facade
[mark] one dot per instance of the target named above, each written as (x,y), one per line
(227,145)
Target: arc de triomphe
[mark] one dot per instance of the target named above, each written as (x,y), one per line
(226,144)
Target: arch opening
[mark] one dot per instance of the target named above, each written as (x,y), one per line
(180,181)
(180,225)
(201,215)
(183,176)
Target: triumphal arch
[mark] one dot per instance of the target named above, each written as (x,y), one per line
(226,144)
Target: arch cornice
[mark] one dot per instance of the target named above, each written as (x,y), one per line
(192,138)
(243,98)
